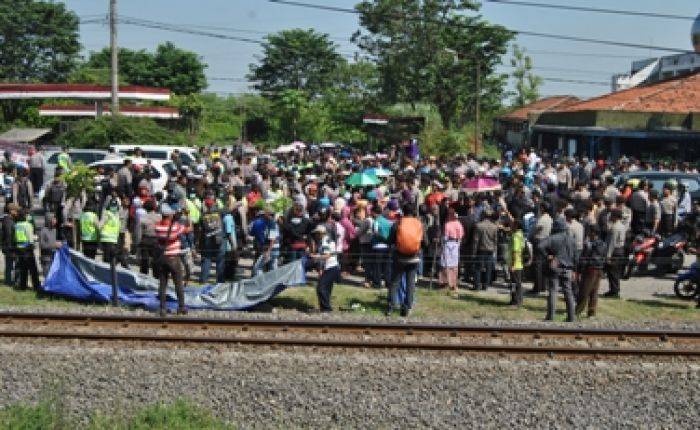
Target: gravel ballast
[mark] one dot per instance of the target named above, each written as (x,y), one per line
(264,387)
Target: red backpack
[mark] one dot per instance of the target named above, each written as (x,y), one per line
(409,236)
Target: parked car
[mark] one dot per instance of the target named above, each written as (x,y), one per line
(86,156)
(658,179)
(158,152)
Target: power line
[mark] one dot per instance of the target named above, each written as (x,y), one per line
(519,32)
(576,81)
(177,29)
(582,54)
(591,9)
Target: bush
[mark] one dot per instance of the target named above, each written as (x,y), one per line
(104,131)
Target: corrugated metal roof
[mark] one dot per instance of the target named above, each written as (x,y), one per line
(24,135)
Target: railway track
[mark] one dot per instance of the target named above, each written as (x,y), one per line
(352,335)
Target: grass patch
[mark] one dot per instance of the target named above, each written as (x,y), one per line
(434,304)
(474,305)
(50,414)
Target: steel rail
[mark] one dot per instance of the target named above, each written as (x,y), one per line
(353,344)
(391,327)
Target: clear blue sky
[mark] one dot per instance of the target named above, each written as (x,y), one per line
(254,18)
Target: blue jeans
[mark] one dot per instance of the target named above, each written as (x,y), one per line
(485,263)
(405,272)
(206,266)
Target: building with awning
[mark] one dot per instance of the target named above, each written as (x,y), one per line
(513,128)
(92,111)
(79,91)
(654,121)
(140,98)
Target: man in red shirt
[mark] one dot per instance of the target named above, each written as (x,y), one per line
(168,232)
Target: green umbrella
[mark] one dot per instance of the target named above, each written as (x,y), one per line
(362,180)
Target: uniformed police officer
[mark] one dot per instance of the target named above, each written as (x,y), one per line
(89,230)
(64,161)
(24,243)
(109,238)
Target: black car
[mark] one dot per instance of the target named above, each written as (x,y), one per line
(658,179)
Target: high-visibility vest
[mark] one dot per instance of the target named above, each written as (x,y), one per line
(195,213)
(88,227)
(110,229)
(64,162)
(24,234)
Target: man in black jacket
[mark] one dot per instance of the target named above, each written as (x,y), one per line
(8,239)
(560,249)
(296,229)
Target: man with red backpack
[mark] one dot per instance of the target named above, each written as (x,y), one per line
(407,237)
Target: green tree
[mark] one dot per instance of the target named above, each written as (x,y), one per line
(169,67)
(430,51)
(104,131)
(297,59)
(39,41)
(527,84)
(353,92)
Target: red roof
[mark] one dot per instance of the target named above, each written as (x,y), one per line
(542,105)
(161,112)
(679,95)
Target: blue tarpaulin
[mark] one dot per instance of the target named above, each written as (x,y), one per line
(74,276)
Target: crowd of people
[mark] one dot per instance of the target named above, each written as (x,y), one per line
(565,223)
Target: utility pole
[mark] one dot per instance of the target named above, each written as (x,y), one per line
(114,71)
(477,125)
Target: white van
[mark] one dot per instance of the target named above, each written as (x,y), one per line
(158,152)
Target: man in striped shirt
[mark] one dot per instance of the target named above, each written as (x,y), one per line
(168,232)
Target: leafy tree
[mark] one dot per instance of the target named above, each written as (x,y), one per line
(297,59)
(104,131)
(527,84)
(290,107)
(169,67)
(39,41)
(430,51)
(354,92)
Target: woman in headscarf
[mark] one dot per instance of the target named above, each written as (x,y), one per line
(449,259)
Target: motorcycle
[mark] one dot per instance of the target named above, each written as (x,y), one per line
(666,254)
(687,284)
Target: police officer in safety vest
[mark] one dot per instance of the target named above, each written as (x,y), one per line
(24,243)
(109,232)
(64,162)
(89,230)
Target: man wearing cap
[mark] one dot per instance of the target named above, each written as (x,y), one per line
(168,232)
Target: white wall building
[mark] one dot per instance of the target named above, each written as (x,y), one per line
(656,70)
